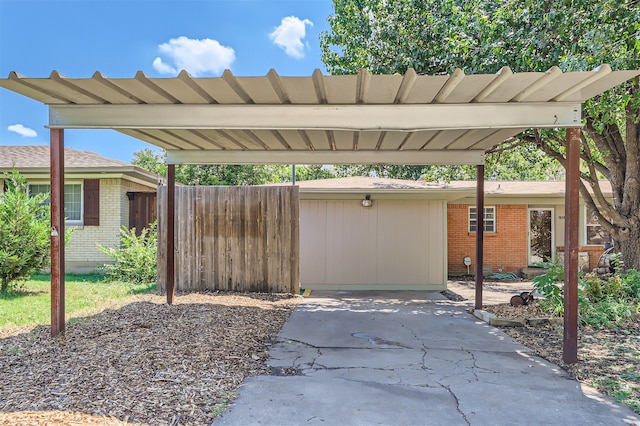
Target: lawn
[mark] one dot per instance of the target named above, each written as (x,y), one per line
(84,295)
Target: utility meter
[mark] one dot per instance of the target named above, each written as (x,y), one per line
(467,262)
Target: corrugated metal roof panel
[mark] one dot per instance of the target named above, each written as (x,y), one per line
(551,88)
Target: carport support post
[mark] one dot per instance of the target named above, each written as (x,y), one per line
(570,342)
(479,233)
(57,230)
(171,195)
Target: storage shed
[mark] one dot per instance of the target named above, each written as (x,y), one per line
(363,233)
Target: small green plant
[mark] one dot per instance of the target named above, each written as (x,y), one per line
(136,259)
(549,285)
(593,287)
(631,284)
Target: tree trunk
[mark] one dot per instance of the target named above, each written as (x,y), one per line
(630,249)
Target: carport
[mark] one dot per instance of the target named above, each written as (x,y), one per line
(352,119)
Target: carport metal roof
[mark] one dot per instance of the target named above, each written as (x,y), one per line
(363,118)
(359,119)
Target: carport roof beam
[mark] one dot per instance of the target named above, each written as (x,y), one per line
(402,118)
(453,157)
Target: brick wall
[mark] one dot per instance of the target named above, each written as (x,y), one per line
(505,249)
(82,253)
(82,247)
(594,254)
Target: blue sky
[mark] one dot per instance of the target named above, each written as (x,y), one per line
(159,37)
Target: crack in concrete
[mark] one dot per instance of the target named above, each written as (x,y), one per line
(455,397)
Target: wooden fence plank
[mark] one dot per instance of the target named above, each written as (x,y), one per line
(234,239)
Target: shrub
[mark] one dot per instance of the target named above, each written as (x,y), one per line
(631,284)
(136,259)
(601,303)
(608,312)
(24,232)
(548,285)
(593,287)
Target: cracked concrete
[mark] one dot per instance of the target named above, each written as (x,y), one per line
(409,358)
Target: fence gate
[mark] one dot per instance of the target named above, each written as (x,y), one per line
(142,209)
(233,239)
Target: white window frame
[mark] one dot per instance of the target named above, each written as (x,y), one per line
(486,221)
(79,222)
(587,214)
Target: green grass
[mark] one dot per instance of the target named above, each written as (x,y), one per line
(84,294)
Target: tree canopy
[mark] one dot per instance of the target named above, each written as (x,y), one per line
(437,36)
(216,174)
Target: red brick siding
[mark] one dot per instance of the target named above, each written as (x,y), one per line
(506,248)
(594,254)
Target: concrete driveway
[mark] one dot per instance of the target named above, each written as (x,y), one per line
(409,358)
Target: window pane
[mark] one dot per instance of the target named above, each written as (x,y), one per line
(472,219)
(72,199)
(596,235)
(38,189)
(489,216)
(73,202)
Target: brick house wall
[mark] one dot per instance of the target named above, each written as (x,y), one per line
(82,253)
(505,249)
(594,254)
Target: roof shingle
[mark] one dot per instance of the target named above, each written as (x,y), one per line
(30,157)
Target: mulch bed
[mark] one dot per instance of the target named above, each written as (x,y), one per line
(145,363)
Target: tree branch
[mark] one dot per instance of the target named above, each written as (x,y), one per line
(615,218)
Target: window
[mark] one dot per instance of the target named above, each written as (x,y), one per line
(595,234)
(72,200)
(489,219)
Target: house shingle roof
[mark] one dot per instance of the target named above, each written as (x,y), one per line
(37,157)
(363,182)
(490,187)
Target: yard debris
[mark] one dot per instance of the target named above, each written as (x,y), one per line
(145,363)
(521,299)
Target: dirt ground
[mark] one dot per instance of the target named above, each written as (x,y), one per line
(608,360)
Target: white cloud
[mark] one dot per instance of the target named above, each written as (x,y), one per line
(289,34)
(198,57)
(23,131)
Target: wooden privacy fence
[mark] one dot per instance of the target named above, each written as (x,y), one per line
(233,239)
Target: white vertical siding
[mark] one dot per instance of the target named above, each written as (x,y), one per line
(395,244)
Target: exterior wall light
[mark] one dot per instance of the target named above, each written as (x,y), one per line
(367,202)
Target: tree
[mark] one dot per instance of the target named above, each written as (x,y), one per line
(24,231)
(224,174)
(313,171)
(151,161)
(437,36)
(524,162)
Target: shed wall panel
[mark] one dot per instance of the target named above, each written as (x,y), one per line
(396,244)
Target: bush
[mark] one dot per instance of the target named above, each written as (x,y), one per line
(548,285)
(601,303)
(24,232)
(593,287)
(136,260)
(631,284)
